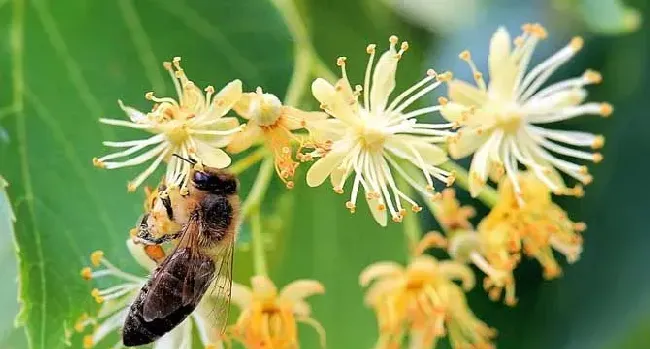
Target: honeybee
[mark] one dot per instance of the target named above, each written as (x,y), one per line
(203,225)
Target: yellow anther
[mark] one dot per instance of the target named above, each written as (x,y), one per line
(446,76)
(370,49)
(584,170)
(96,258)
(592,76)
(598,142)
(416,208)
(606,109)
(381,207)
(341,61)
(88,342)
(290,185)
(577,43)
(167,65)
(350,206)
(98,297)
(209,89)
(393,40)
(478,75)
(465,55)
(86,273)
(597,157)
(98,163)
(397,218)
(588,180)
(338,190)
(580,227)
(130,187)
(149,95)
(442,101)
(539,31)
(578,191)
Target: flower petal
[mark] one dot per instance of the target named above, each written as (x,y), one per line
(380,215)
(383,80)
(463,93)
(379,270)
(243,140)
(226,98)
(454,112)
(135,115)
(322,168)
(140,256)
(211,156)
(262,285)
(243,106)
(457,271)
(465,142)
(333,102)
(301,289)
(294,118)
(241,295)
(326,130)
(499,51)
(380,288)
(404,146)
(178,338)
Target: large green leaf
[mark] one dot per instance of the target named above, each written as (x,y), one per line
(79,57)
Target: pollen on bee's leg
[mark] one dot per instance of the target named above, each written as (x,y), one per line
(96,257)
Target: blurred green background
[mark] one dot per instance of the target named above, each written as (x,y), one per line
(64,63)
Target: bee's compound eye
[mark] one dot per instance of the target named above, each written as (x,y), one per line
(201,177)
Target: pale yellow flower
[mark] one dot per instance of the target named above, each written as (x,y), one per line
(450,214)
(375,141)
(193,126)
(504,122)
(271,122)
(269,319)
(537,228)
(124,288)
(423,302)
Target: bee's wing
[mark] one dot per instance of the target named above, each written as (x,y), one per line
(218,297)
(180,281)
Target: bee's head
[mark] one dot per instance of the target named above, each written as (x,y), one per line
(215,181)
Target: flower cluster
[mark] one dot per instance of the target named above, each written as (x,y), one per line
(371,141)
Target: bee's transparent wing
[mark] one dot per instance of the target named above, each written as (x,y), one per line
(218,295)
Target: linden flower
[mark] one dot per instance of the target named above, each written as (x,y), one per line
(450,214)
(269,319)
(193,126)
(371,139)
(115,301)
(539,227)
(423,302)
(503,122)
(271,122)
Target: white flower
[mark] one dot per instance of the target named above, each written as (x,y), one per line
(116,299)
(502,123)
(371,139)
(193,126)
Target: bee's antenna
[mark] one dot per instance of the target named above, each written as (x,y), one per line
(191,161)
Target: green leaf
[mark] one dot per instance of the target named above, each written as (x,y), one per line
(75,60)
(10,336)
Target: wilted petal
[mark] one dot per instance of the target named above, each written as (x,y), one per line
(262,285)
(301,289)
(379,270)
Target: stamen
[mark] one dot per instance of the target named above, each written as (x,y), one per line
(366,82)
(478,76)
